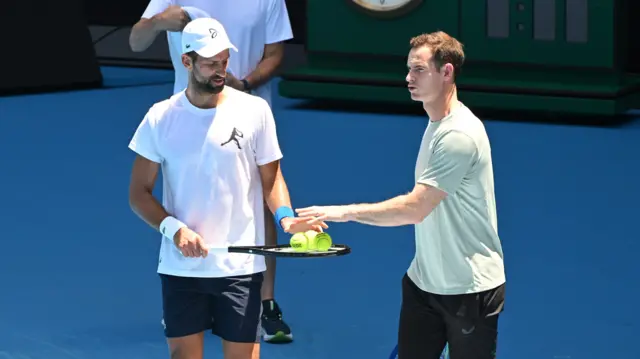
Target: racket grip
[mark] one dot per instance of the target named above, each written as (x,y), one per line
(218,250)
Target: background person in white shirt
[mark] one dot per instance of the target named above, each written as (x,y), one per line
(453,290)
(258,28)
(220,159)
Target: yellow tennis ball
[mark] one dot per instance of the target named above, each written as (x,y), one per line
(318,241)
(323,242)
(299,242)
(311,240)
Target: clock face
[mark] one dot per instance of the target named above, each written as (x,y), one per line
(386,7)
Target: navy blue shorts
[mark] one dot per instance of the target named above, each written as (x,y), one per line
(230,307)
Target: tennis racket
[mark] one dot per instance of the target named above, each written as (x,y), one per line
(284,250)
(444,355)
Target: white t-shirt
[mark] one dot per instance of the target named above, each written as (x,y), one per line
(458,250)
(210,162)
(250,24)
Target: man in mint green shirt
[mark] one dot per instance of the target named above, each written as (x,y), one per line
(453,291)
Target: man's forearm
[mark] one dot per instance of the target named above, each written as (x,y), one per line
(143,34)
(265,70)
(398,211)
(147,207)
(278,195)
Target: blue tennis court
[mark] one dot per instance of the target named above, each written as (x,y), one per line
(77,267)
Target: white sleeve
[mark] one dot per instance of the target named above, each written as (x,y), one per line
(195,13)
(144,141)
(155,7)
(278,24)
(267,147)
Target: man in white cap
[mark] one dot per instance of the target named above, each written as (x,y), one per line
(258,28)
(220,159)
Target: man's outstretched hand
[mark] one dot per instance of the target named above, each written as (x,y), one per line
(301,224)
(322,214)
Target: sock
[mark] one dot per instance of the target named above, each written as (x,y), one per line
(269,306)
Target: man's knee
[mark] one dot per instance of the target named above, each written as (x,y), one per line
(178,353)
(233,350)
(189,347)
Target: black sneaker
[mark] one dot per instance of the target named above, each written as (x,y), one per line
(274,329)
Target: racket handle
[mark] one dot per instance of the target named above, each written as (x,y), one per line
(218,250)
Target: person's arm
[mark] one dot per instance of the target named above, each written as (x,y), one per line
(268,155)
(411,208)
(277,197)
(278,30)
(453,155)
(143,178)
(267,67)
(144,173)
(158,17)
(149,209)
(276,193)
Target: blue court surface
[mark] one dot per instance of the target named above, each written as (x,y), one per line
(77,267)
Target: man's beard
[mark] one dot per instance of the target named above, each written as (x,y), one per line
(206,86)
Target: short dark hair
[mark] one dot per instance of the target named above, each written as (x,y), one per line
(445,49)
(193,55)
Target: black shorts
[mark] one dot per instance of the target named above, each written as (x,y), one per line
(467,322)
(230,307)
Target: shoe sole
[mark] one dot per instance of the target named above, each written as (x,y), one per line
(278,338)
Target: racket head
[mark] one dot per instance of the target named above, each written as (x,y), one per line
(285,250)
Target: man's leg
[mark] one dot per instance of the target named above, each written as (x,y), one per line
(189,347)
(274,329)
(421,332)
(234,350)
(472,323)
(236,315)
(186,316)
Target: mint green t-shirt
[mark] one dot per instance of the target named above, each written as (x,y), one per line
(458,249)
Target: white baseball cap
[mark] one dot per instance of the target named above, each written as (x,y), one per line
(205,36)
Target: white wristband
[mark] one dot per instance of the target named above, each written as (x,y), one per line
(170,226)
